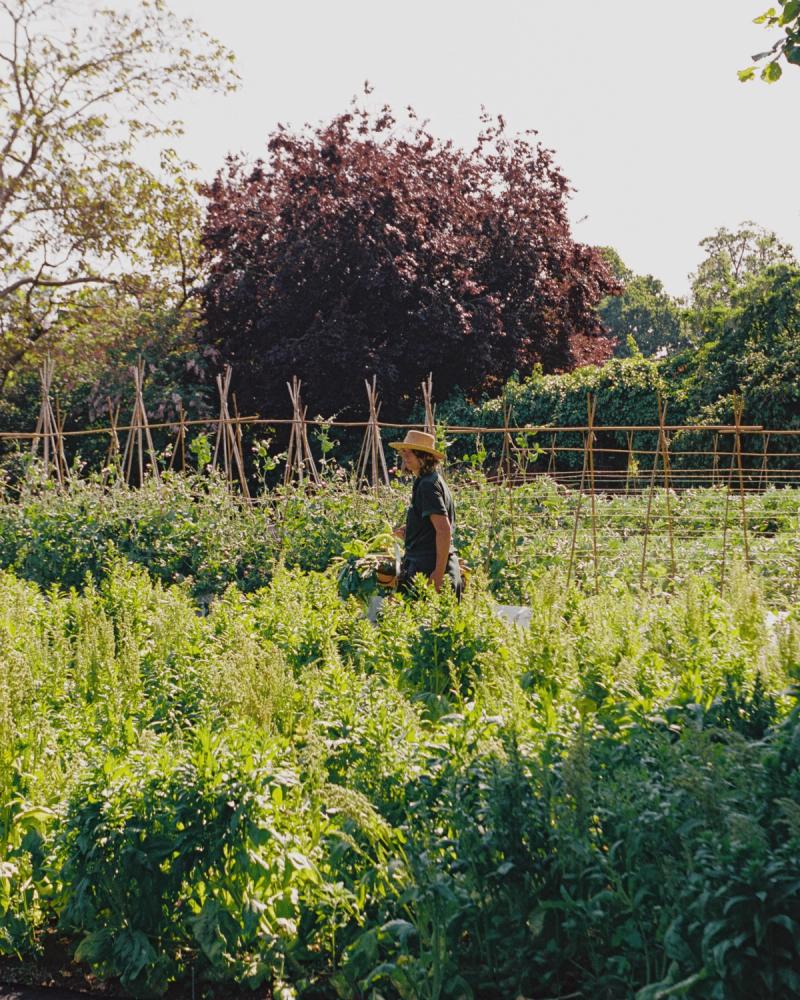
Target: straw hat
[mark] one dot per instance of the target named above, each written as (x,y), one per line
(418,441)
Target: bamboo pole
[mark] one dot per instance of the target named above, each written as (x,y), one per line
(505,453)
(238,450)
(725,525)
(430,410)
(629,462)
(648,514)
(715,462)
(492,527)
(60,418)
(223,383)
(737,412)
(577,511)
(113,453)
(180,440)
(763,479)
(509,483)
(664,439)
(590,407)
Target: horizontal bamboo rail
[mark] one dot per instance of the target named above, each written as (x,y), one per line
(386,425)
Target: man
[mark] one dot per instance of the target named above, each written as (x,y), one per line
(431,517)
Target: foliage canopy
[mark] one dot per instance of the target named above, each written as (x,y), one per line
(734,257)
(78,92)
(644,311)
(362,248)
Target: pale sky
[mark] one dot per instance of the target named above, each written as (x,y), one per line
(640,101)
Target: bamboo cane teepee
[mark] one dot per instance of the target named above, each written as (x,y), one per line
(300,463)
(48,429)
(371,466)
(228,444)
(139,443)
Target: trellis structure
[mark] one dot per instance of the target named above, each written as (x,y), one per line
(629,467)
(371,465)
(49,428)
(300,464)
(139,446)
(228,444)
(593,462)
(757,468)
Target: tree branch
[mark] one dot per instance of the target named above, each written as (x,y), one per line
(53,283)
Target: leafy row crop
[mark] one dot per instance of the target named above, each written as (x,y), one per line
(278,794)
(191,531)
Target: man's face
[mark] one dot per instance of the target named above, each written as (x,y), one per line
(410,461)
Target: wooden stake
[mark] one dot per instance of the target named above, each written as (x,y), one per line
(551,463)
(725,523)
(763,479)
(578,510)
(664,446)
(427,398)
(738,408)
(590,408)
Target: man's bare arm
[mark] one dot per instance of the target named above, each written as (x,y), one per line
(444,535)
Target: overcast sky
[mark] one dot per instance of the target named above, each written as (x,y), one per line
(640,101)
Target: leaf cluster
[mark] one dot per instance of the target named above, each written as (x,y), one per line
(787,45)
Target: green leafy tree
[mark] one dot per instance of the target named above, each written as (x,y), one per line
(644,311)
(617,265)
(80,92)
(733,258)
(787,45)
(751,349)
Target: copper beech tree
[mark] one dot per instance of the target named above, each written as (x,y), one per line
(361,247)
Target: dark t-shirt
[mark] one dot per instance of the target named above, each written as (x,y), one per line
(429,495)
